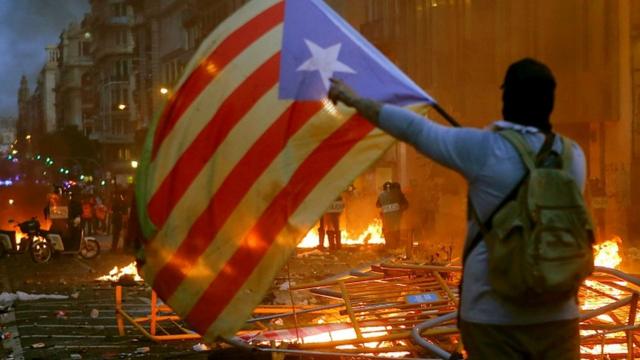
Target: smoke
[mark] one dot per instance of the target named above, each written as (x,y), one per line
(26,28)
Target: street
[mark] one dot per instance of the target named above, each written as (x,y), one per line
(83,326)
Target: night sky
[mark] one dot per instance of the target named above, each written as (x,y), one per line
(26,28)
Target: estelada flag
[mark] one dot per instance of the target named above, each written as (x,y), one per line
(249,152)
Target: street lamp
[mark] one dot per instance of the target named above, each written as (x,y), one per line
(134,164)
(164,91)
(122,106)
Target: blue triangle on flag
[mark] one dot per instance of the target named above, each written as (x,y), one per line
(318,44)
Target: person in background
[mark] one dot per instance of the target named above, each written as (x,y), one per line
(101,217)
(87,216)
(330,225)
(392,203)
(118,211)
(74,220)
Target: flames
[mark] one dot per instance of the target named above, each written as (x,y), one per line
(117,273)
(371,235)
(350,334)
(19,235)
(607,253)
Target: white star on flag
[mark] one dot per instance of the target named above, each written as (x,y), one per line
(325,61)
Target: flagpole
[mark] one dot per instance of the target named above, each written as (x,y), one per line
(445,115)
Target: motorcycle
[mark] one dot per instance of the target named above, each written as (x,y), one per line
(44,244)
(33,240)
(62,241)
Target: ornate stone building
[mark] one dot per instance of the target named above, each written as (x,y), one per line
(109,28)
(74,101)
(167,33)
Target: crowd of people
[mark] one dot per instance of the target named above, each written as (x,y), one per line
(98,213)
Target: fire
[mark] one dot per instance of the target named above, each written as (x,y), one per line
(19,236)
(116,273)
(367,332)
(371,235)
(326,333)
(606,253)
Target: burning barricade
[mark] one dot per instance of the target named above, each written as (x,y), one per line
(402,310)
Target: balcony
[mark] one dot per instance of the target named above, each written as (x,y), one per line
(109,138)
(120,20)
(106,50)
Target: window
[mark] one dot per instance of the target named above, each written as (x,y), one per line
(194,34)
(121,37)
(121,69)
(119,96)
(119,9)
(117,128)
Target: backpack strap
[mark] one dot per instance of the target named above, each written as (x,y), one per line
(522,147)
(567,153)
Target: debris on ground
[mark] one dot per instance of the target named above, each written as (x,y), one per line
(94,313)
(201,347)
(143,350)
(7,298)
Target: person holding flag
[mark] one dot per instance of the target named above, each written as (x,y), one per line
(492,327)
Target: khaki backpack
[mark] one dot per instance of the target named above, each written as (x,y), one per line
(540,241)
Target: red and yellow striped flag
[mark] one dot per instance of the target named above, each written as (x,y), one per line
(248,153)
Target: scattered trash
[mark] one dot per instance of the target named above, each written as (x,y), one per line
(143,350)
(201,347)
(94,313)
(75,295)
(8,298)
(61,314)
(76,356)
(285,285)
(38,345)
(315,252)
(6,336)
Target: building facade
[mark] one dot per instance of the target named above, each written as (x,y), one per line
(74,103)
(7,134)
(113,124)
(37,110)
(167,33)
(458,50)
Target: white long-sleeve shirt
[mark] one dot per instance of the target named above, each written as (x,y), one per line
(492,167)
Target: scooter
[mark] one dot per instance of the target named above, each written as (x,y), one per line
(61,242)
(33,240)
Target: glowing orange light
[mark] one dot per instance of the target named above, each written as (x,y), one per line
(116,273)
(371,235)
(607,253)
